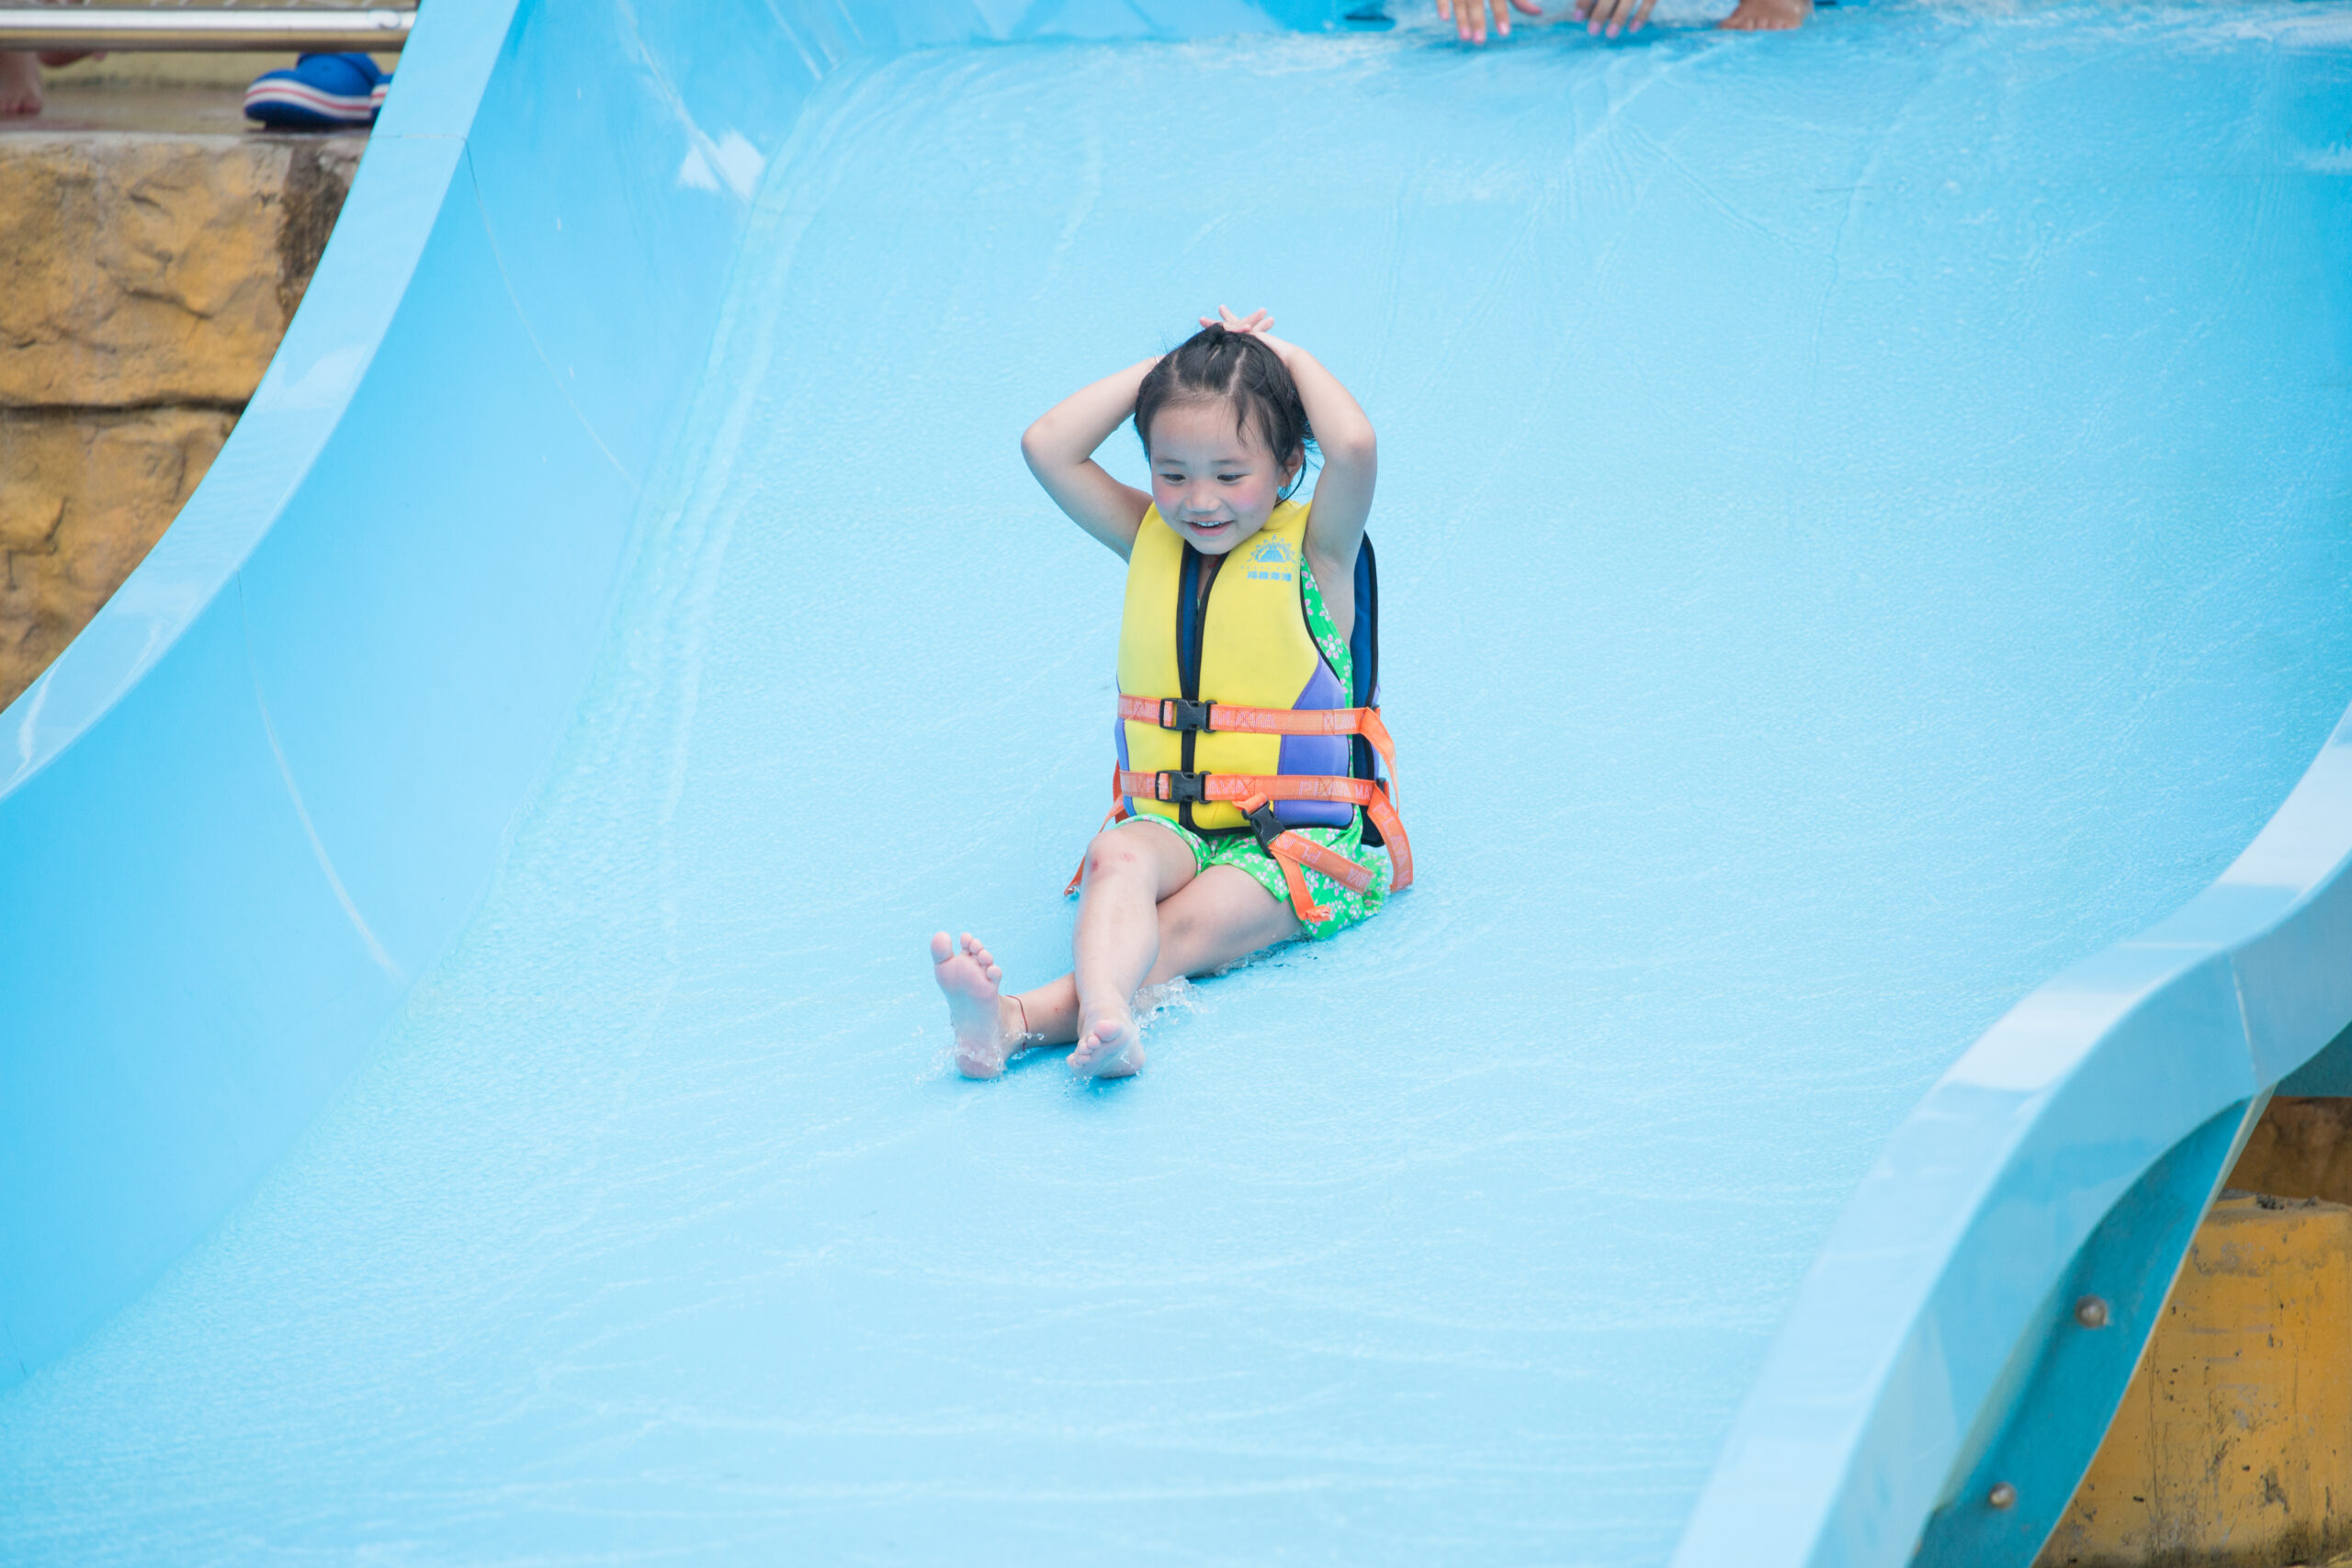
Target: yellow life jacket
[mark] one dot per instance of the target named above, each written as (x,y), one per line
(1231,719)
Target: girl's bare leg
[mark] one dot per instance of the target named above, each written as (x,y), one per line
(1128,871)
(1125,875)
(1203,923)
(1219,917)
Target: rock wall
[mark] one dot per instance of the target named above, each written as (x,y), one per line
(2301,1148)
(144,282)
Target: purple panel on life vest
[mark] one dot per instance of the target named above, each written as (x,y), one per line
(1324,754)
(1119,740)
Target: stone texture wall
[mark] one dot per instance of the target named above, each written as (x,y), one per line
(2301,1148)
(144,282)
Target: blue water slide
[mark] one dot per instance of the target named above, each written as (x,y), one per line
(1861,530)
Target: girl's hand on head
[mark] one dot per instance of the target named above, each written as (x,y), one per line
(1469,17)
(1259,322)
(1614,16)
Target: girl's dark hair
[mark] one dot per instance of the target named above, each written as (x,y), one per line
(1214,365)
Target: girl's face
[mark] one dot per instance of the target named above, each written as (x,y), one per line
(1216,485)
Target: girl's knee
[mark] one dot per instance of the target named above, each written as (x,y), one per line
(1114,853)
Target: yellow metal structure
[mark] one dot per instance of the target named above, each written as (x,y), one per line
(2233,1448)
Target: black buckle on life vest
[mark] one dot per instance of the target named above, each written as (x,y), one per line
(1178,713)
(1180,788)
(1266,825)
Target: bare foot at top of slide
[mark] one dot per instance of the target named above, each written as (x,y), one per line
(1108,1047)
(19,83)
(1768,16)
(985,1021)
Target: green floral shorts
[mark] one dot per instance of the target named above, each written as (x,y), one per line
(1241,851)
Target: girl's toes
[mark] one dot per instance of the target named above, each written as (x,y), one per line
(941,948)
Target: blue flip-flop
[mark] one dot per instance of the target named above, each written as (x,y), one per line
(321,91)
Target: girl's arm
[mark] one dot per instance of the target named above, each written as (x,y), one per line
(1060,451)
(1350,465)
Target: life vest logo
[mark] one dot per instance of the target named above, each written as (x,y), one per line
(1273,552)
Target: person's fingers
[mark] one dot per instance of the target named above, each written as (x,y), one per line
(1446,10)
(1643,15)
(1502,17)
(1529,8)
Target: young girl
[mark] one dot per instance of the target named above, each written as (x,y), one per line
(1249,742)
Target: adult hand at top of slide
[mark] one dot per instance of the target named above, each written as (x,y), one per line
(1613,16)
(1469,17)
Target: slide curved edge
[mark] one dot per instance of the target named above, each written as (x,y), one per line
(2070,1151)
(149,732)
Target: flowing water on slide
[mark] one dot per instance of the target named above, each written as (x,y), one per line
(1862,525)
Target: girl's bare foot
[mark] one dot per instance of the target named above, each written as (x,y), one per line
(1108,1047)
(1768,16)
(19,84)
(986,1022)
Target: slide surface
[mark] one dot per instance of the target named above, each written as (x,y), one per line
(1864,529)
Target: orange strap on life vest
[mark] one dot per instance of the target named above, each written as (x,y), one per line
(1176,787)
(1371,794)
(1254,793)
(1176,713)
(1290,849)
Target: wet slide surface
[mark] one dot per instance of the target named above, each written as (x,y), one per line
(1862,525)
